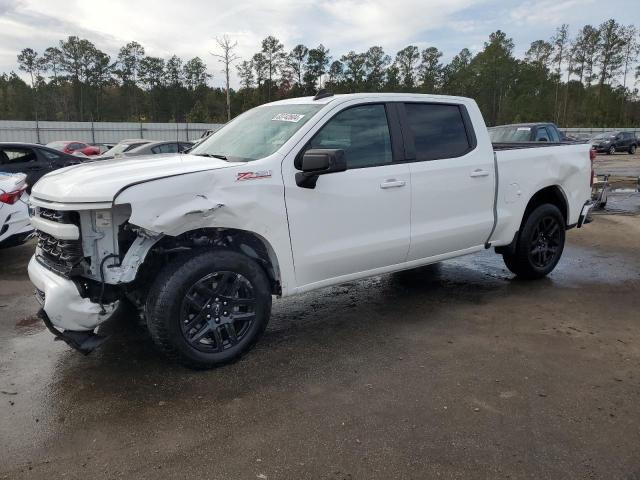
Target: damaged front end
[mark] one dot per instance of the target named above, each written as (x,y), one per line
(84,265)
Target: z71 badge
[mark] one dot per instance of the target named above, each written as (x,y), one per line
(253,175)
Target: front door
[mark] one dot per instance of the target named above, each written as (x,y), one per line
(352,221)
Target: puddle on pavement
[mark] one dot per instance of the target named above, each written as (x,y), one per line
(30,325)
(622,201)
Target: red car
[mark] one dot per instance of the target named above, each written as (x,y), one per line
(72,147)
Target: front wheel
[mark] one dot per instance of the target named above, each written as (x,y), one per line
(540,243)
(632,150)
(612,150)
(208,309)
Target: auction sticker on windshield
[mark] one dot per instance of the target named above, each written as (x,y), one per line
(288,117)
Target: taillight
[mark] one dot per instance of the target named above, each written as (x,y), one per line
(11,197)
(592,157)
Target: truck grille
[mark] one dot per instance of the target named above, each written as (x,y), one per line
(61,256)
(60,216)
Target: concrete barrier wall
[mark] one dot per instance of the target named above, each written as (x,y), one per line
(99,132)
(113,132)
(597,130)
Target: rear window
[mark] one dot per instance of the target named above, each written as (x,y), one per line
(439,130)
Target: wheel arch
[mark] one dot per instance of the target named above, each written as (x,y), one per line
(246,242)
(552,194)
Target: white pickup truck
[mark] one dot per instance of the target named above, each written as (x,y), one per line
(289,197)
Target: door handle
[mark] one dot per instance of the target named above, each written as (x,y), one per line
(479,173)
(392,183)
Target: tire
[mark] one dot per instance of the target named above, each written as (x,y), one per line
(611,150)
(208,309)
(632,149)
(539,245)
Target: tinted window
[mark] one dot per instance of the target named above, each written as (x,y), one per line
(439,130)
(165,148)
(542,135)
(49,154)
(169,148)
(17,155)
(362,132)
(131,146)
(554,134)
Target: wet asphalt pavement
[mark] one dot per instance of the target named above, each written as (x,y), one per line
(452,371)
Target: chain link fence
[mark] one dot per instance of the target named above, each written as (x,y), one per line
(99,132)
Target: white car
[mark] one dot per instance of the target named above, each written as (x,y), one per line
(293,196)
(15,227)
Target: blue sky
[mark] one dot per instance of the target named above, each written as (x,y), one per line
(188,28)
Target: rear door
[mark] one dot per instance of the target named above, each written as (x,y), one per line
(452,181)
(356,220)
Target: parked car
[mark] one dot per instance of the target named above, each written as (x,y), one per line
(153,148)
(15,227)
(527,132)
(612,142)
(71,147)
(123,147)
(32,159)
(289,197)
(206,134)
(580,137)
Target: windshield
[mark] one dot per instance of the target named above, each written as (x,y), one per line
(122,147)
(257,133)
(510,134)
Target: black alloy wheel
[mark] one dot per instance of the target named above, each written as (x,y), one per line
(539,244)
(218,311)
(545,241)
(209,307)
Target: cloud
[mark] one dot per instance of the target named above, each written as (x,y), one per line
(188,28)
(547,12)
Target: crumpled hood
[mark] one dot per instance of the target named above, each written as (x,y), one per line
(99,181)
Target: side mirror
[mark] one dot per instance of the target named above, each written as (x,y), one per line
(316,162)
(543,139)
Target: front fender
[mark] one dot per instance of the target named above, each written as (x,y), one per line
(215,199)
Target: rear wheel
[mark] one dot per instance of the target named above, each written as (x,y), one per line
(632,149)
(540,243)
(209,309)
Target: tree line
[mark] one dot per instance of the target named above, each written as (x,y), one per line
(587,78)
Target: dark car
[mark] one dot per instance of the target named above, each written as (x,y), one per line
(34,160)
(527,132)
(612,142)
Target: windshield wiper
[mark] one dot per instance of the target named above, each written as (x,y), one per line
(213,155)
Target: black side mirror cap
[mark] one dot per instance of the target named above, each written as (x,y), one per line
(316,162)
